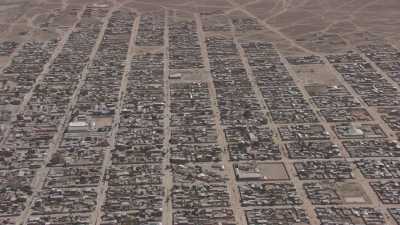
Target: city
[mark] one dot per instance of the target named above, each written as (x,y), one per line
(143,113)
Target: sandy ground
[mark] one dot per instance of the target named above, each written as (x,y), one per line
(295,26)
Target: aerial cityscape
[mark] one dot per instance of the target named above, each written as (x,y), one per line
(199,112)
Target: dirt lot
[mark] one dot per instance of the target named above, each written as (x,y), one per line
(273,171)
(315,74)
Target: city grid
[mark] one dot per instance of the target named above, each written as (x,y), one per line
(165,116)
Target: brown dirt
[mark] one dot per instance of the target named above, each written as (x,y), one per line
(273,171)
(315,74)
